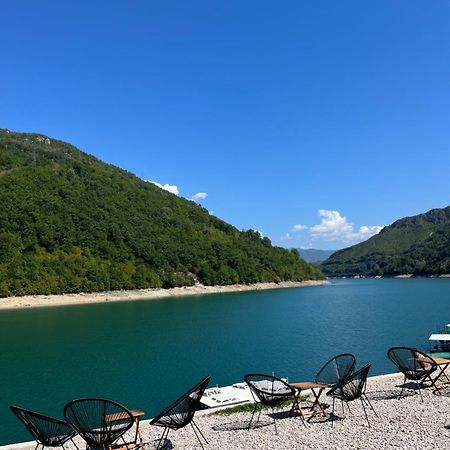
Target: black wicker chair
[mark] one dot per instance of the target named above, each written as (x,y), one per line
(352,388)
(47,431)
(181,412)
(269,391)
(414,365)
(336,370)
(98,421)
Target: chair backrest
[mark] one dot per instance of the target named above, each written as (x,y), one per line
(181,411)
(353,387)
(98,421)
(336,370)
(411,362)
(268,389)
(45,430)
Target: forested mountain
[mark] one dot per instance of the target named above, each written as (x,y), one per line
(418,245)
(313,255)
(71,223)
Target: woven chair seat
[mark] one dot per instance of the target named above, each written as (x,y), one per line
(181,412)
(100,422)
(414,364)
(46,430)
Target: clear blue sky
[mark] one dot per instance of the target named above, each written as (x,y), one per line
(275,109)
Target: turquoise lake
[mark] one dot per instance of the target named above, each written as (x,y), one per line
(146,353)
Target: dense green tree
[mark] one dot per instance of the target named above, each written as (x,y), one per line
(71,223)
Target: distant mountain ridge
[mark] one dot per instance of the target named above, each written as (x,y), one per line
(72,223)
(313,255)
(417,245)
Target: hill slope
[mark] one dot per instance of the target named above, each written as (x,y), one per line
(313,255)
(418,245)
(71,223)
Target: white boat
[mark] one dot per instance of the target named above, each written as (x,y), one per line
(236,394)
(441,340)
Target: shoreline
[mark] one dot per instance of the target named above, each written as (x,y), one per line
(37,301)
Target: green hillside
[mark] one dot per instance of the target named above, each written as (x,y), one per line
(71,223)
(418,245)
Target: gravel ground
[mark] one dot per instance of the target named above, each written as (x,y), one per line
(405,423)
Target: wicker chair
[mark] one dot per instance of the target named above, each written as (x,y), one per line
(46,431)
(336,370)
(352,388)
(181,412)
(414,365)
(269,391)
(98,421)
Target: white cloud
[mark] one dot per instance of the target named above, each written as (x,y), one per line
(334,227)
(366,232)
(167,187)
(297,228)
(199,196)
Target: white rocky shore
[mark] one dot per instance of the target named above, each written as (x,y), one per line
(33,301)
(405,423)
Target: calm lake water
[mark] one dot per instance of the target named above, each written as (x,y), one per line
(144,354)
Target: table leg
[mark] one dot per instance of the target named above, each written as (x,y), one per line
(138,434)
(296,403)
(317,400)
(441,372)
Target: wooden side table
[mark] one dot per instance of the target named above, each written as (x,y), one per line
(442,364)
(316,389)
(137,414)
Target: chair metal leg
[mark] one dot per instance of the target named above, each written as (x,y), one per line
(125,443)
(253,413)
(365,412)
(164,436)
(332,414)
(73,442)
(200,431)
(196,435)
(403,388)
(370,404)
